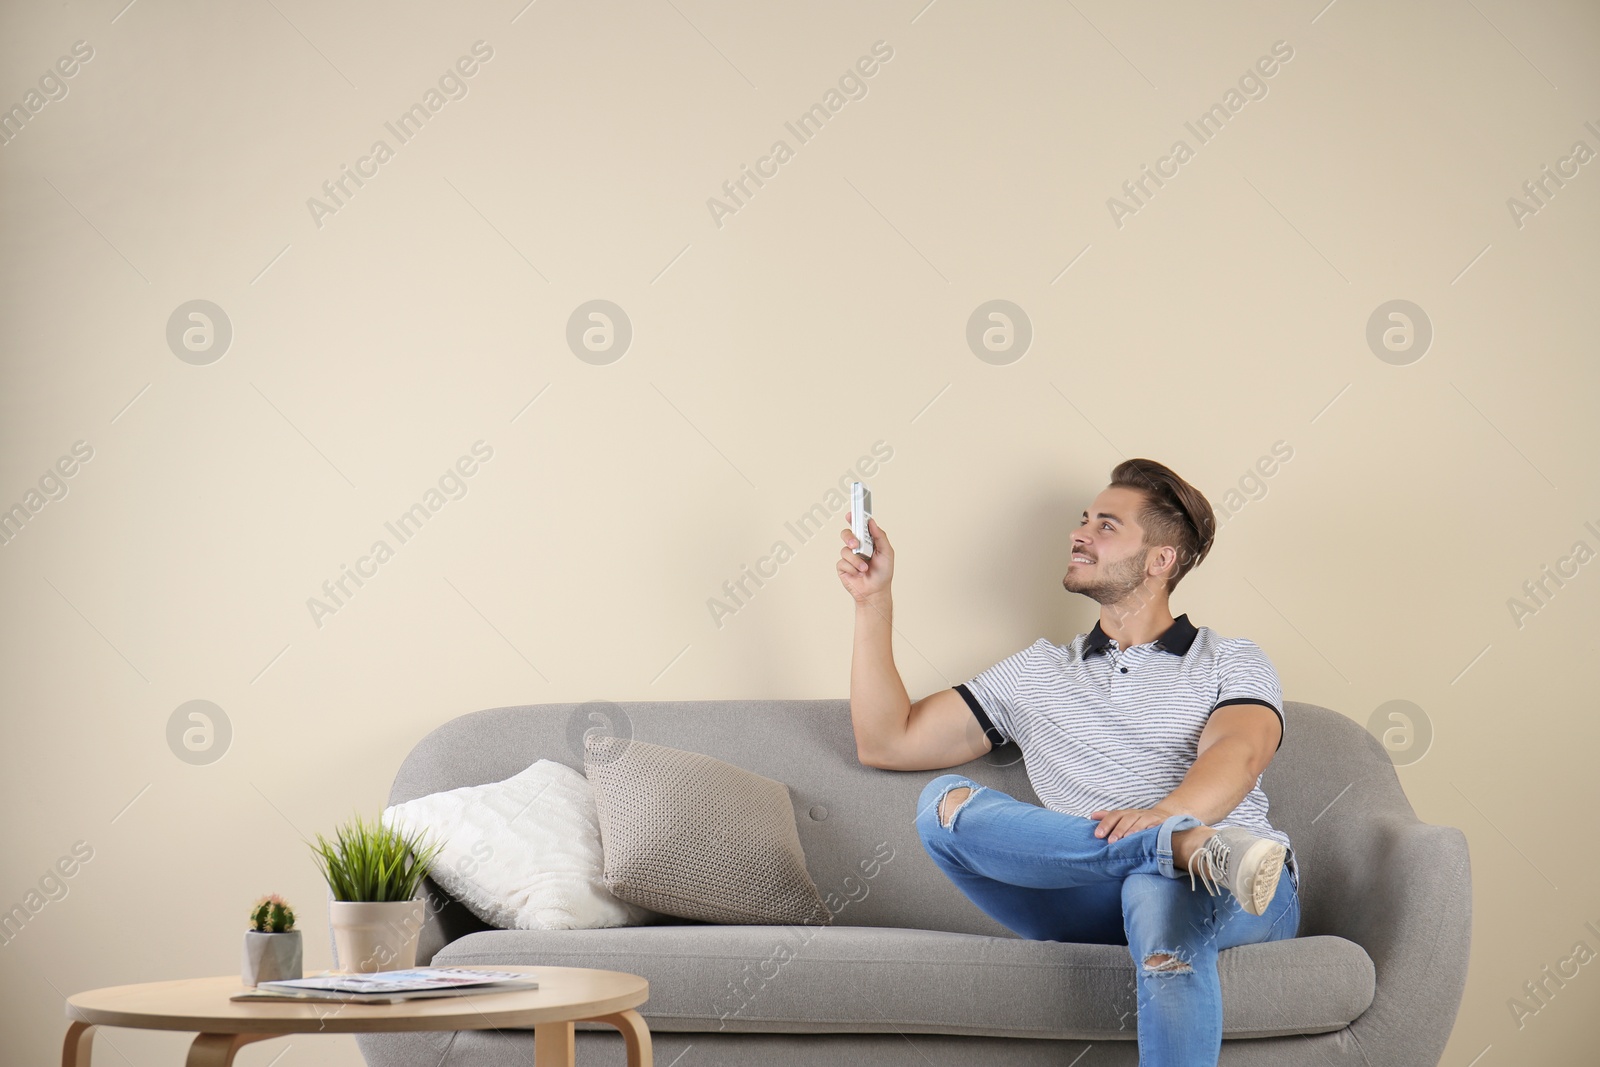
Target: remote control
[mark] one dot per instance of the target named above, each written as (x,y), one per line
(860,512)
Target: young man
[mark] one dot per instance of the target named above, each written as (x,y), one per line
(1144,738)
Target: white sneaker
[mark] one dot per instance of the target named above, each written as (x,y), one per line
(1248,865)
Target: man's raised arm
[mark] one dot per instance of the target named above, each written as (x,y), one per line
(939,730)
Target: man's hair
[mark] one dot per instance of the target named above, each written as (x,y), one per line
(1174,513)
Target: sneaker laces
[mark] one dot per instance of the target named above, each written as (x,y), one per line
(1212,858)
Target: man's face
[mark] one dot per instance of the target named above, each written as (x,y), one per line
(1108,558)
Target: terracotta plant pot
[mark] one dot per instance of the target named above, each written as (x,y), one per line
(375,935)
(271,957)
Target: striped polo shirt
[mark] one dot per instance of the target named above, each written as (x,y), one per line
(1101,727)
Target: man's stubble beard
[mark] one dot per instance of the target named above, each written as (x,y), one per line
(1115,584)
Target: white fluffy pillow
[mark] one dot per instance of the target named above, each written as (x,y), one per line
(522,854)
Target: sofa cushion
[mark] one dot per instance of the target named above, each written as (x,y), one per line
(864,979)
(523,853)
(695,837)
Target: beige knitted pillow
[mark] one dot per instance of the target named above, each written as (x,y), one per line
(688,835)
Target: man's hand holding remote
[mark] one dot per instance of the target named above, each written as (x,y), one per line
(867,580)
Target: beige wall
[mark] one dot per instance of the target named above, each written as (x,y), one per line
(1226,314)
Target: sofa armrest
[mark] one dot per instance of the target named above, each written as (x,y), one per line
(444,920)
(1404,894)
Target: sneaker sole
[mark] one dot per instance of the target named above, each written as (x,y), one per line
(1265,860)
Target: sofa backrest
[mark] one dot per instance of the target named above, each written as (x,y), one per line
(856,823)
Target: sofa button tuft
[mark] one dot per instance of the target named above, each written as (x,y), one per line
(818,812)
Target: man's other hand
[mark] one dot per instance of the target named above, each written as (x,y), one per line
(1121,822)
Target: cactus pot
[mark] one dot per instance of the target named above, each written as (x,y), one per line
(271,957)
(376,935)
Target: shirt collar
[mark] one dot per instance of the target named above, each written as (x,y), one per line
(1177,639)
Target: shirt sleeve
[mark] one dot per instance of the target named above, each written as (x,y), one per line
(993,695)
(1246,676)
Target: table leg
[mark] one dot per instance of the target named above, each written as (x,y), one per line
(635,1035)
(554,1044)
(217,1050)
(75,1050)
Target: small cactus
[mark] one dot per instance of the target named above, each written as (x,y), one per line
(271,915)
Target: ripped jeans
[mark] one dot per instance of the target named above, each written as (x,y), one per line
(1045,876)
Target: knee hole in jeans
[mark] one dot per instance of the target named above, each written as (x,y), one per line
(1166,963)
(949,804)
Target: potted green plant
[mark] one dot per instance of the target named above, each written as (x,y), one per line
(374,871)
(272,951)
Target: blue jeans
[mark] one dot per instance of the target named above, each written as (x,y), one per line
(1045,876)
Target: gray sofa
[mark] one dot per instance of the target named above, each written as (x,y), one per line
(912,973)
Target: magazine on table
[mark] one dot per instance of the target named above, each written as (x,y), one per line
(387,987)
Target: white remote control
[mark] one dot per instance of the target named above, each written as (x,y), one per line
(860,512)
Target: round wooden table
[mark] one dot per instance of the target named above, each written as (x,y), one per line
(565,995)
